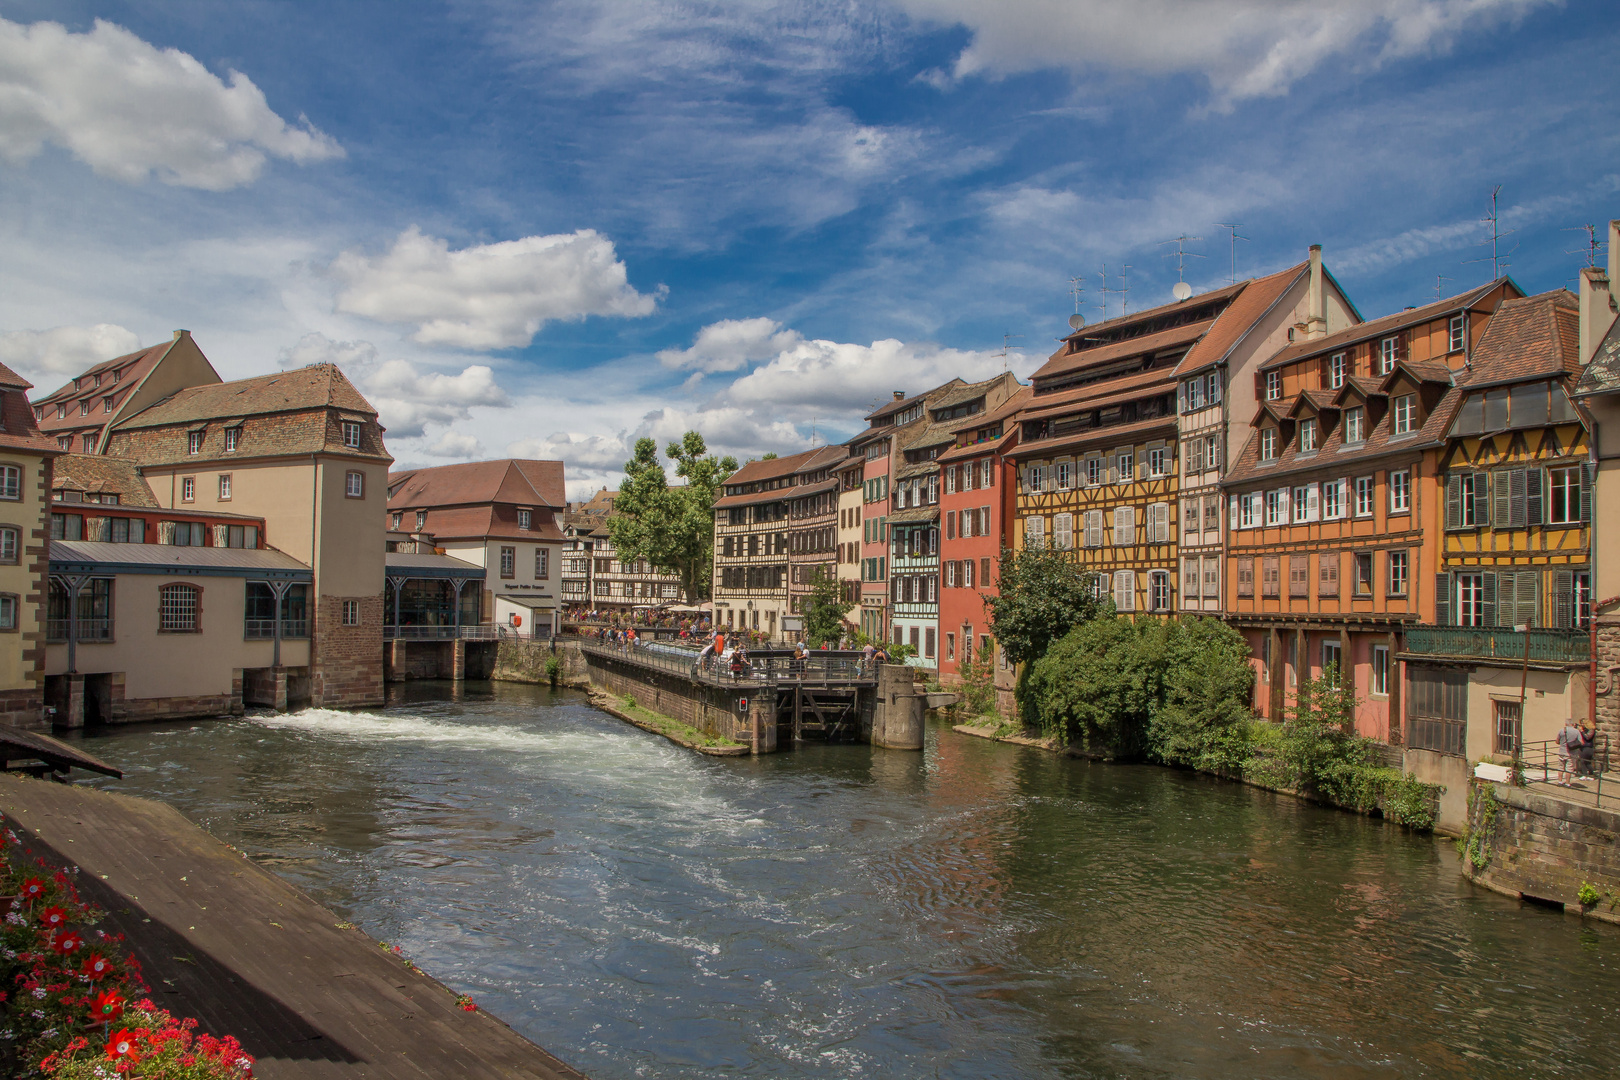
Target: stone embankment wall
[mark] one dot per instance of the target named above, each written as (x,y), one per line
(525,662)
(713,710)
(1537,847)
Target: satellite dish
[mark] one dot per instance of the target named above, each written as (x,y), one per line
(1076,321)
(1181,291)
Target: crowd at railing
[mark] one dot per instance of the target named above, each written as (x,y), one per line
(735,661)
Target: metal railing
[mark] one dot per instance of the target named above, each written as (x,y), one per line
(1546,646)
(265,629)
(90,630)
(759,667)
(465,632)
(1540,764)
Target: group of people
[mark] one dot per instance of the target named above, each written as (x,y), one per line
(1576,750)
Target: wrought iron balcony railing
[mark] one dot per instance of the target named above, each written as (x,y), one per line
(1487,643)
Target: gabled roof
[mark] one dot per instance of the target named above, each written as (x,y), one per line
(1332,454)
(1020,399)
(489,521)
(1389,324)
(134,365)
(1534,337)
(18,430)
(318,386)
(1062,362)
(899,404)
(10,380)
(978,449)
(773,468)
(1258,297)
(476,483)
(98,474)
(825,457)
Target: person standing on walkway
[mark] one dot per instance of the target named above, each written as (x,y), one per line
(1569,746)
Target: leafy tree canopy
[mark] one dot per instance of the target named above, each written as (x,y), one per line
(672,527)
(1042,597)
(823,612)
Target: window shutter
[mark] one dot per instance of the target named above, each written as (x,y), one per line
(1181,397)
(1313,504)
(1533,503)
(1482,499)
(1236,519)
(1529,598)
(1488,588)
(1507,594)
(1094,528)
(1564,599)
(1215,387)
(1516,496)
(1125,590)
(1327,574)
(1454,501)
(950,526)
(1442,599)
(1284,497)
(1586,492)
(1501,506)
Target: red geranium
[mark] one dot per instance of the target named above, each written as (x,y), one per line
(33,889)
(95,966)
(69,943)
(53,917)
(107,1006)
(122,1045)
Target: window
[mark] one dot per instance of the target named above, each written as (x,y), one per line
(523,520)
(1268,444)
(128,530)
(1507,726)
(1125,590)
(421,520)
(1299,575)
(1387,350)
(1063,531)
(1124,468)
(224,487)
(1124,525)
(1245,516)
(1398,573)
(1159,461)
(1245,576)
(1037,478)
(1158,523)
(188,489)
(1273,385)
(354,484)
(508,562)
(987,477)
(1472,606)
(1380,670)
(10,482)
(1565,491)
(8,612)
(84,407)
(1455,343)
(1064,471)
(1307,436)
(1300,497)
(9,545)
(39,413)
(1159,590)
(1364,573)
(64,442)
(351,613)
(233,438)
(240,536)
(1332,500)
(1192,393)
(194,442)
(61,411)
(1271,576)
(1332,661)
(1400,491)
(1327,574)
(1364,496)
(1094,471)
(177,609)
(1277,507)
(351,434)
(1336,371)
(1355,425)
(395,519)
(89,442)
(1405,413)
(107,403)
(542,562)
(1035,532)
(1468,503)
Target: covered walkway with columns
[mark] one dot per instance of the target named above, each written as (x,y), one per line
(432,609)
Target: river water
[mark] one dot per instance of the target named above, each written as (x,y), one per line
(975,910)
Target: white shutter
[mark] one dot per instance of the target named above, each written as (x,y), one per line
(1063,531)
(1236,515)
(1283,500)
(1181,397)
(1313,505)
(1125,590)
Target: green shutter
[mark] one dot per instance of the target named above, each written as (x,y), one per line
(1454,501)
(1533,502)
(1488,605)
(1482,499)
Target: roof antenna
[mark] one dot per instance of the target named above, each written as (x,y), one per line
(1439,287)
(1105,291)
(1233,227)
(1499,261)
(1077,320)
(1126,291)
(1006,347)
(1182,290)
(1593,244)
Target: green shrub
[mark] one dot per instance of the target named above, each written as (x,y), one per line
(1100,685)
(553,669)
(1589,894)
(1204,720)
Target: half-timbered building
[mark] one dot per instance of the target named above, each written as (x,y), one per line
(751,529)
(851,510)
(812,530)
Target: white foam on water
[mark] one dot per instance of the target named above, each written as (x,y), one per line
(372,727)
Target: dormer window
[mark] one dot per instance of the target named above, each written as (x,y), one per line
(1268,444)
(118,374)
(107,403)
(523,520)
(95,380)
(233,437)
(1405,413)
(39,413)
(194,442)
(1273,385)
(1387,348)
(61,411)
(421,520)
(1307,435)
(351,434)
(1336,371)
(398,516)
(84,407)
(1355,425)
(1455,344)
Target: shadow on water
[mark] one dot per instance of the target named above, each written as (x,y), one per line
(974,910)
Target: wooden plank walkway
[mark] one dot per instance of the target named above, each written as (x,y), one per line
(226,941)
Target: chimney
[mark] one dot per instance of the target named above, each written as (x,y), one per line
(899,395)
(178,334)
(1597,309)
(1316,299)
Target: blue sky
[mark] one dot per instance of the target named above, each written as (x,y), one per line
(545,229)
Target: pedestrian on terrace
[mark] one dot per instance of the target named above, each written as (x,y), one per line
(1569,746)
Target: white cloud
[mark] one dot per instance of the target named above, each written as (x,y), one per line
(131,110)
(44,356)
(493,296)
(456,444)
(592,453)
(1245,48)
(407,400)
(731,344)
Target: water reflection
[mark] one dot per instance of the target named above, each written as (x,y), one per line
(974,910)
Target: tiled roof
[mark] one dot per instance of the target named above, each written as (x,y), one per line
(977,450)
(919,468)
(825,457)
(132,365)
(1102,395)
(1315,399)
(1246,309)
(100,475)
(1535,337)
(803,490)
(504,480)
(490,520)
(315,387)
(899,404)
(937,434)
(1062,362)
(1192,303)
(1436,371)
(18,431)
(1116,435)
(10,380)
(1019,400)
(773,468)
(917,515)
(1602,374)
(1333,454)
(1401,320)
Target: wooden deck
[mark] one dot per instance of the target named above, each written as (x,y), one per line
(235,946)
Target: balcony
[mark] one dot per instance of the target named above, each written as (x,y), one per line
(90,630)
(1546,646)
(465,632)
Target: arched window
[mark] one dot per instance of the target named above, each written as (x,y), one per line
(177,609)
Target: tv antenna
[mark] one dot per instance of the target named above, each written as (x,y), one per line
(1007,347)
(1439,287)
(1181,290)
(1232,227)
(1498,260)
(1125,279)
(1593,244)
(1077,320)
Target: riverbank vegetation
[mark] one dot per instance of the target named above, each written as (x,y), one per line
(677,731)
(1177,691)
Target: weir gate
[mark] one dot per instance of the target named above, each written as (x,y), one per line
(774,702)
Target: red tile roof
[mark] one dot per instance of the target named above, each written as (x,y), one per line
(1062,362)
(101,475)
(513,481)
(1241,315)
(1536,337)
(315,387)
(18,430)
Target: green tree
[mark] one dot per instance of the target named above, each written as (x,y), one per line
(672,527)
(823,611)
(1100,685)
(1042,596)
(1204,722)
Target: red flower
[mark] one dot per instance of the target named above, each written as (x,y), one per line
(53,917)
(33,889)
(122,1045)
(107,1006)
(67,944)
(95,966)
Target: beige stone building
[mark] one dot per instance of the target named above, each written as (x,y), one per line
(78,414)
(303,450)
(26,461)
